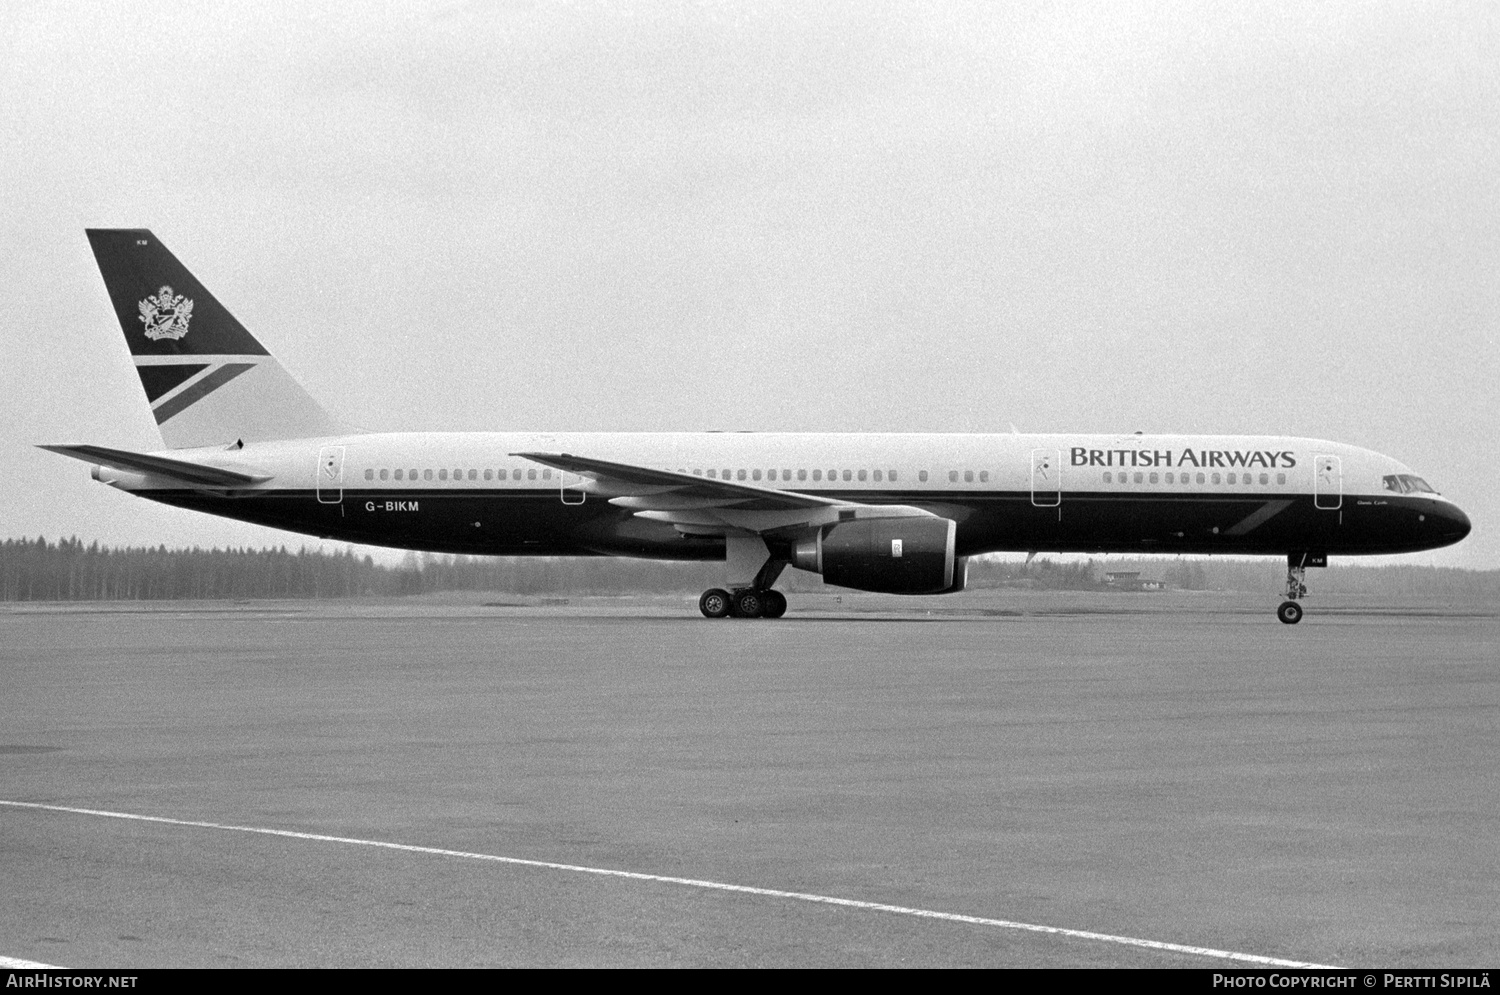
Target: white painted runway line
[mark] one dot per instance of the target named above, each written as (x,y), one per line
(799,896)
(28,965)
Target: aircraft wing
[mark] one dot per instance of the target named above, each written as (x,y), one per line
(192,474)
(706,505)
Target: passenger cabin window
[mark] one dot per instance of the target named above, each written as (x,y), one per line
(922,476)
(891,476)
(398,474)
(801,474)
(426,474)
(847,475)
(369,474)
(1140,477)
(1281,478)
(1202,479)
(1215,477)
(1153,478)
(968,476)
(817,474)
(1108,477)
(863,475)
(755,475)
(1169,478)
(385,474)
(546,474)
(740,475)
(877,476)
(984,476)
(530,474)
(953,476)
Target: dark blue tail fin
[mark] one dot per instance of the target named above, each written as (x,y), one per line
(207,379)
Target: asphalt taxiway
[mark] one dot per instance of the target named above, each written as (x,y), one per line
(1180,769)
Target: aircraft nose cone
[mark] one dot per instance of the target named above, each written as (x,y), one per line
(1456,524)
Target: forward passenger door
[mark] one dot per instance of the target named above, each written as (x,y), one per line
(1328,483)
(1046,478)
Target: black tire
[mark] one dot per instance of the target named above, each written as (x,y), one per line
(749,604)
(714,603)
(1290,613)
(775,605)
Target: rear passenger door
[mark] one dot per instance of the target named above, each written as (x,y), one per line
(330,483)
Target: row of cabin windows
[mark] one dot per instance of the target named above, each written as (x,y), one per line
(878,476)
(1186,478)
(457,474)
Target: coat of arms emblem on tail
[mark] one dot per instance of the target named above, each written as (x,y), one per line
(166,315)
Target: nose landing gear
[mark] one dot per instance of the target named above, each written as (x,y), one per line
(1289,611)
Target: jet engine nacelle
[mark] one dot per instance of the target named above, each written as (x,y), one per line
(889,555)
(960,576)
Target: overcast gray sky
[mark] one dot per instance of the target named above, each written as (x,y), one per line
(1189,217)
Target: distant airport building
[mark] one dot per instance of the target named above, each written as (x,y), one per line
(1130,580)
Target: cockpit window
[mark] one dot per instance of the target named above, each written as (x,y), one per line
(1406,483)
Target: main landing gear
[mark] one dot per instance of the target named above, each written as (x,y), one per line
(746,603)
(749,571)
(1289,611)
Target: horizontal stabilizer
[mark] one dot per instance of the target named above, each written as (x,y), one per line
(195,474)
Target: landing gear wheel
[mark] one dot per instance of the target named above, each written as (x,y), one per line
(749,604)
(714,603)
(1290,612)
(775,605)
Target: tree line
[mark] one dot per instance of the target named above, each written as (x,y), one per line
(70,570)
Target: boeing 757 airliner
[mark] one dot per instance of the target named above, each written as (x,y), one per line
(877,512)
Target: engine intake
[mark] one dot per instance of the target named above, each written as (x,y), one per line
(889,555)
